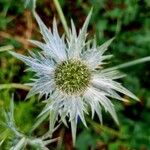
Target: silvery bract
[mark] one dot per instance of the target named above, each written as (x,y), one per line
(69,71)
(18,140)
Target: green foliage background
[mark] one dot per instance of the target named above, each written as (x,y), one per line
(129,21)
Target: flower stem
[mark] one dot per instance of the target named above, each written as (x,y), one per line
(6,48)
(98,127)
(61,15)
(14,85)
(128,64)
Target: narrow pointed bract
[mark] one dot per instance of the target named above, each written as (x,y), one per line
(19,140)
(71,76)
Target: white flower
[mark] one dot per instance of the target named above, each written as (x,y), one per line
(69,72)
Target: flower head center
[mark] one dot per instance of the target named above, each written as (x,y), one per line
(72,76)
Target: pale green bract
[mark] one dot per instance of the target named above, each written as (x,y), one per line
(71,90)
(18,140)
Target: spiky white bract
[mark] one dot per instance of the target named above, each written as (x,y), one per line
(69,72)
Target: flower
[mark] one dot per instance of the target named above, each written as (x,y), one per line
(69,72)
(17,139)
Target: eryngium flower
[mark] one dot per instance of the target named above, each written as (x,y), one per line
(69,72)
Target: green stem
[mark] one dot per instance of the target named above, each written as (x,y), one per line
(1,142)
(128,64)
(34,5)
(98,127)
(14,85)
(6,48)
(61,15)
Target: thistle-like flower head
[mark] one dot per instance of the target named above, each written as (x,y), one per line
(69,72)
(17,139)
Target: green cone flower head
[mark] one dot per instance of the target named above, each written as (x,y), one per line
(72,77)
(69,73)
